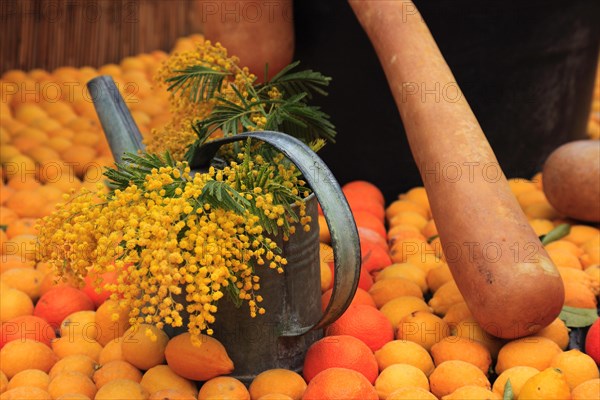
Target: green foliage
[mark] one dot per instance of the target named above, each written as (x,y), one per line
(288,112)
(508,391)
(557,233)
(198,82)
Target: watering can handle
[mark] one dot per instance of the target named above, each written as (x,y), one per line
(123,136)
(344,235)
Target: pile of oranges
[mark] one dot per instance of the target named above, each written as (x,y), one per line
(407,334)
(416,336)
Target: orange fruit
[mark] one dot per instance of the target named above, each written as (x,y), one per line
(22,226)
(60,302)
(30,377)
(79,156)
(385,290)
(370,236)
(400,307)
(7,216)
(73,396)
(275,396)
(171,394)
(405,250)
(404,352)
(456,313)
(117,369)
(586,390)
(80,323)
(223,387)
(469,328)
(397,376)
(14,303)
(579,234)
(162,377)
(25,392)
(71,382)
(418,195)
(364,189)
(23,246)
(3,382)
(326,276)
(400,205)
(277,381)
(423,328)
(144,346)
(94,286)
(517,375)
(580,276)
(533,351)
(365,219)
(576,366)
(557,331)
(27,204)
(409,218)
(27,182)
(26,326)
(453,374)
(19,355)
(341,351)
(579,295)
(109,329)
(13,261)
(361,296)
(436,277)
(111,351)
(374,257)
(447,295)
(562,258)
(120,389)
(66,346)
(471,392)
(564,245)
(74,363)
(521,185)
(365,323)
(592,341)
(340,383)
(360,204)
(199,362)
(51,281)
(411,393)
(400,233)
(459,348)
(548,384)
(430,230)
(324,234)
(531,197)
(407,271)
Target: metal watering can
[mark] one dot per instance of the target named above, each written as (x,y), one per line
(294,318)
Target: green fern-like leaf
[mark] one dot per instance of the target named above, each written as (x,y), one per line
(293,83)
(198,82)
(222,194)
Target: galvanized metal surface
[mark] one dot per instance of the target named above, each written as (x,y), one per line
(119,127)
(294,318)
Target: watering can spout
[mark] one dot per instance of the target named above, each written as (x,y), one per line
(119,127)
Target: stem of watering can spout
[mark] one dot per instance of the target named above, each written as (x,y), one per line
(121,132)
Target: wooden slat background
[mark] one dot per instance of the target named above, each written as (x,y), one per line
(53,33)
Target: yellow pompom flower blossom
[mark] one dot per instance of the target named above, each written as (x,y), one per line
(178,134)
(177,255)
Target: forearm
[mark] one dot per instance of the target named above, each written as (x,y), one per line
(258,32)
